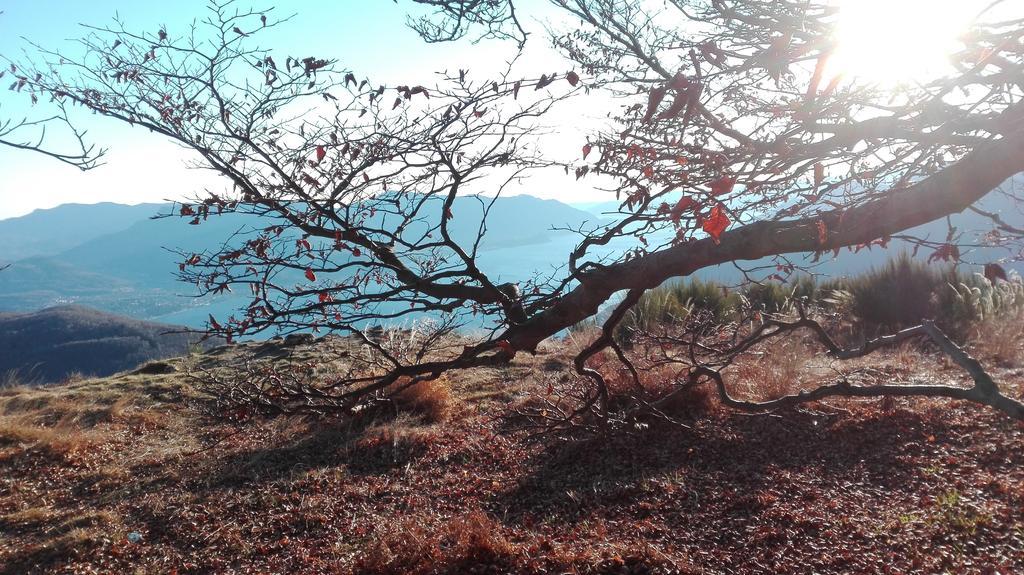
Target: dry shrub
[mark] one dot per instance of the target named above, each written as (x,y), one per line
(690,401)
(1000,339)
(465,543)
(431,400)
(74,377)
(671,395)
(386,445)
(773,370)
(663,386)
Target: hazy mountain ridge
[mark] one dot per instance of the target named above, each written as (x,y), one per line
(49,232)
(130,269)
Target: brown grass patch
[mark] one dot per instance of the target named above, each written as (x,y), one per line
(398,440)
(472,540)
(1000,339)
(772,371)
(430,400)
(59,440)
(36,558)
(27,519)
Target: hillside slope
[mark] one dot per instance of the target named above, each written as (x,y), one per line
(126,475)
(48,345)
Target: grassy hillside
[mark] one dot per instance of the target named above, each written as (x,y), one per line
(130,475)
(49,345)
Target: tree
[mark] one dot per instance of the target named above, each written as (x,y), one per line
(30,134)
(735,144)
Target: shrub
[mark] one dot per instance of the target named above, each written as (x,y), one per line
(431,400)
(774,371)
(468,543)
(675,301)
(899,294)
(774,297)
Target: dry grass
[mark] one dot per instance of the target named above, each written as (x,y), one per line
(73,417)
(27,518)
(1000,339)
(772,372)
(393,493)
(471,539)
(430,400)
(403,436)
(57,440)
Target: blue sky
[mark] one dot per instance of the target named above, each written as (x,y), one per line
(368,36)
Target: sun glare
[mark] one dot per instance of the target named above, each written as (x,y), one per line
(896,41)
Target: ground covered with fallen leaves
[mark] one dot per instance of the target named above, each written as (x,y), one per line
(127,475)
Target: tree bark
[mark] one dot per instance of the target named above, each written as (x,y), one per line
(949,191)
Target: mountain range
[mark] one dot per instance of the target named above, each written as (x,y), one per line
(118,259)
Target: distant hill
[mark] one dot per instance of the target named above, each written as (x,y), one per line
(117,259)
(125,266)
(48,345)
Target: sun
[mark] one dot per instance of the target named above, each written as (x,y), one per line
(891,42)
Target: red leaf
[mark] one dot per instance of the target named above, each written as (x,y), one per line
(320,153)
(506,347)
(586,150)
(822,232)
(722,185)
(819,175)
(186,210)
(310,275)
(213,323)
(945,252)
(310,180)
(994,272)
(573,78)
(685,204)
(653,101)
(515,89)
(716,222)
